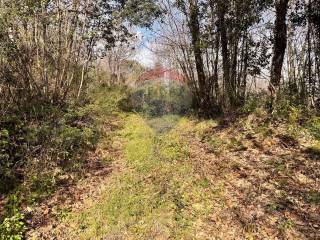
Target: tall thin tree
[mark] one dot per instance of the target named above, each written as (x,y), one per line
(279,47)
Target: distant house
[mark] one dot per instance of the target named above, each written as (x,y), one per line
(162,75)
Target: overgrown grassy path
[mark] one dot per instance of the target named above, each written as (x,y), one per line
(178,178)
(158,194)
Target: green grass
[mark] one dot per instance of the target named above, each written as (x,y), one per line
(158,195)
(163,124)
(314,197)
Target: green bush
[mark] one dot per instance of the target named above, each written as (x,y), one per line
(107,101)
(70,138)
(32,149)
(314,127)
(4,152)
(13,228)
(41,186)
(12,206)
(253,102)
(12,150)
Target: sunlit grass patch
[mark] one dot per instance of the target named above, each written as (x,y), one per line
(139,143)
(164,124)
(131,205)
(171,147)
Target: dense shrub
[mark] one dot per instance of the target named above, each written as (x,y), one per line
(13,228)
(38,144)
(314,127)
(253,102)
(12,151)
(43,148)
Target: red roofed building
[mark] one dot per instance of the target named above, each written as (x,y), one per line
(160,74)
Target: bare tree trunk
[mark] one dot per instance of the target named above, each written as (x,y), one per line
(82,79)
(196,45)
(233,78)
(225,59)
(279,48)
(215,74)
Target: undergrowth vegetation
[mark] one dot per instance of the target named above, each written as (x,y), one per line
(42,152)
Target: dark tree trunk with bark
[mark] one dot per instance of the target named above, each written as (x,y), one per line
(279,47)
(204,91)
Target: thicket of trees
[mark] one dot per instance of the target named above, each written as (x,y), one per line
(49,54)
(223,46)
(47,47)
